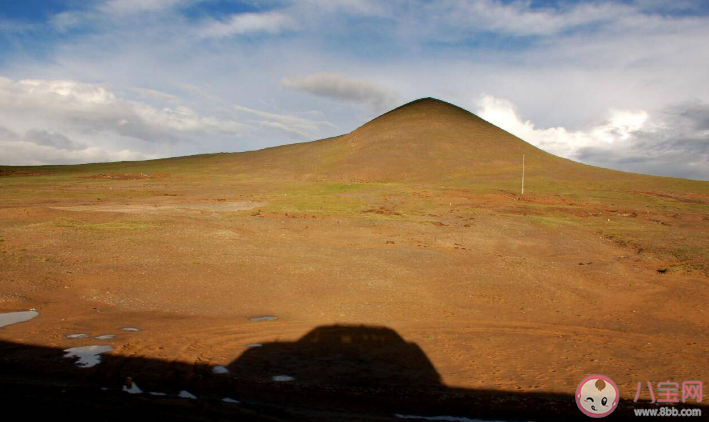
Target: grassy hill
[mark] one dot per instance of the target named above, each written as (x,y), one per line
(424,141)
(413,161)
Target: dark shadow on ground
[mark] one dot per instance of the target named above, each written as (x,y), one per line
(339,373)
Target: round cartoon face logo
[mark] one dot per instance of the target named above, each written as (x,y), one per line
(597,396)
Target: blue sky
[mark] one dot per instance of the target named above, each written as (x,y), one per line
(619,84)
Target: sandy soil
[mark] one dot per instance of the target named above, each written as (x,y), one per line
(165,208)
(493,303)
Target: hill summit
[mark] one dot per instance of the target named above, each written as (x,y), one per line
(425,140)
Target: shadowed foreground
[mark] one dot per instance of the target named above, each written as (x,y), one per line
(340,373)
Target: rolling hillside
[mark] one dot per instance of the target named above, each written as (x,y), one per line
(425,141)
(411,228)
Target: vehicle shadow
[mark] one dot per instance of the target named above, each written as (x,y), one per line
(333,373)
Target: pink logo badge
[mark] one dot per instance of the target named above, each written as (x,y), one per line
(597,396)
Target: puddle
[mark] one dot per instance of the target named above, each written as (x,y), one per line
(105,337)
(282,378)
(16,317)
(89,356)
(80,335)
(444,418)
(155,393)
(132,329)
(133,389)
(228,400)
(254,345)
(263,318)
(187,395)
(220,370)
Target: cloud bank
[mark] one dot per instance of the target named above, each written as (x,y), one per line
(343,88)
(672,142)
(248,23)
(63,121)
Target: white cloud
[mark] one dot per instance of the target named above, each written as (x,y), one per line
(301,127)
(70,92)
(132,6)
(95,108)
(358,7)
(64,21)
(520,18)
(52,139)
(344,88)
(61,120)
(673,143)
(248,23)
(28,153)
(558,140)
(153,94)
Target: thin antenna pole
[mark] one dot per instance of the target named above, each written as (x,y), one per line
(522,174)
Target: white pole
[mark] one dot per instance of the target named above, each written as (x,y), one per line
(522,174)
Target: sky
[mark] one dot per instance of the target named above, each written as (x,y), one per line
(620,84)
